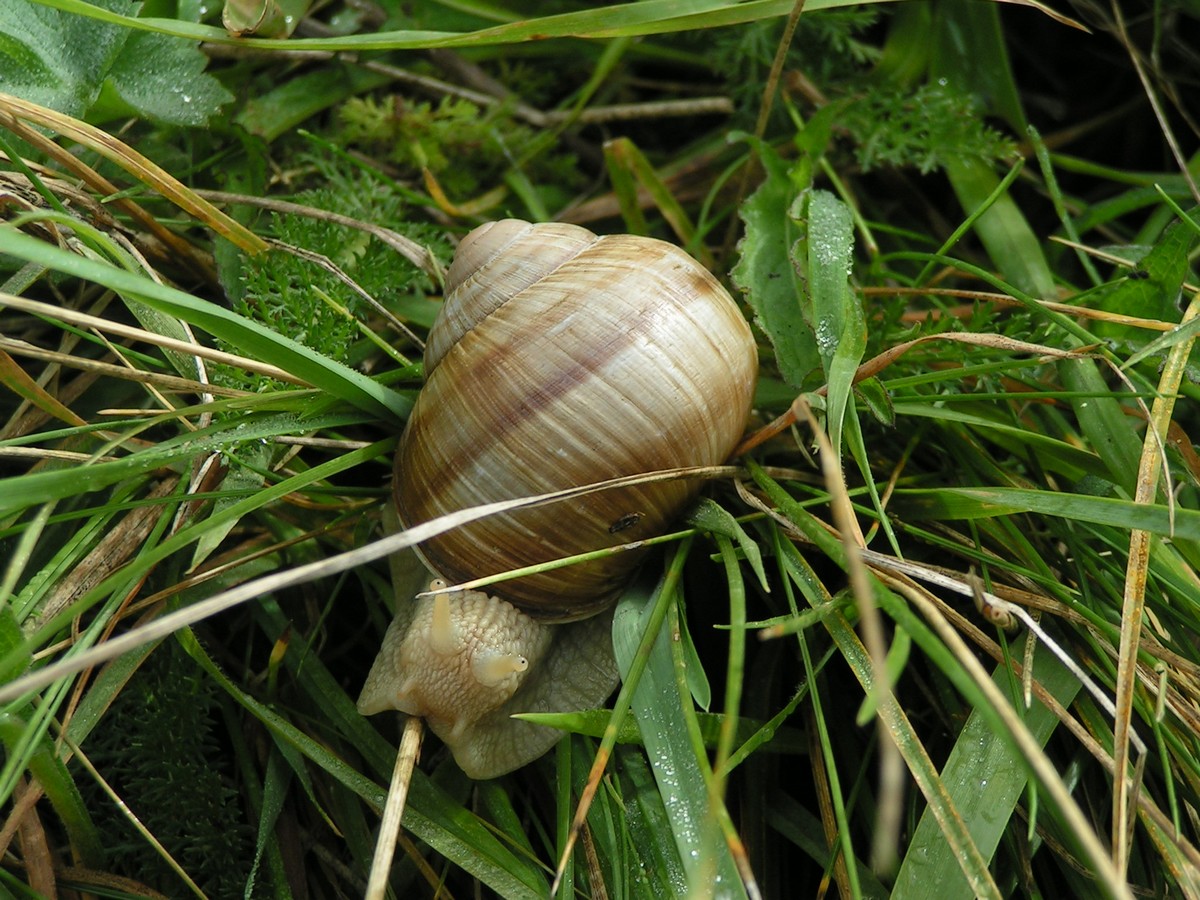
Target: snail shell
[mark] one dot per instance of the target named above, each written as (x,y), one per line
(559,359)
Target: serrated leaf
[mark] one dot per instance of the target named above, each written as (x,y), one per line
(161,79)
(90,69)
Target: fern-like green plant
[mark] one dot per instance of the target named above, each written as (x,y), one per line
(158,748)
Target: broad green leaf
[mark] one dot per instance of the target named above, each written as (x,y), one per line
(765,271)
(99,71)
(283,108)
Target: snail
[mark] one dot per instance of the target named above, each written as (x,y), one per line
(559,358)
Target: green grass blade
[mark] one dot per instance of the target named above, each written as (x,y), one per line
(657,706)
(837,315)
(985,781)
(253,339)
(623,20)
(977,502)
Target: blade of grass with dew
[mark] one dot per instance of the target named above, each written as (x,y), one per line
(968,50)
(17,380)
(1109,431)
(114,590)
(985,782)
(283,753)
(239,480)
(797,824)
(1050,177)
(645,821)
(272,795)
(1133,607)
(991,702)
(629,167)
(15,655)
(337,715)
(828,780)
(836,316)
(497,802)
(251,338)
(616,846)
(139,166)
(153,553)
(105,541)
(151,319)
(656,704)
(564,806)
(708,515)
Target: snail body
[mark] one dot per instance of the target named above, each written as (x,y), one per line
(559,359)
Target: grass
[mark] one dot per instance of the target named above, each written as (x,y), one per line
(937,627)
